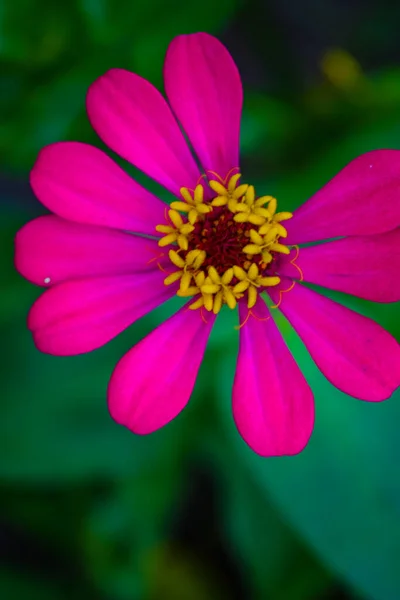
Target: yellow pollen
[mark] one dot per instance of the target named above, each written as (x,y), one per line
(194,203)
(226,249)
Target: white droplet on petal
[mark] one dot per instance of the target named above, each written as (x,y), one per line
(47,280)
(370,166)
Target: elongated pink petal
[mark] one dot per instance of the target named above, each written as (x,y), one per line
(356,354)
(365,266)
(50,250)
(205,91)
(82,315)
(81,183)
(362,199)
(273,405)
(152,383)
(132,117)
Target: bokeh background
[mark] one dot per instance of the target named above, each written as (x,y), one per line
(89,511)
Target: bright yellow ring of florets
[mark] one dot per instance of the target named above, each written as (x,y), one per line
(255,230)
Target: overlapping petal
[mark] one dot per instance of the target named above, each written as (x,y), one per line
(273,405)
(132,117)
(81,183)
(365,266)
(81,315)
(204,89)
(49,250)
(353,352)
(152,383)
(362,199)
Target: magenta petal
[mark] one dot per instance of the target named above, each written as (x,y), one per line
(132,117)
(82,315)
(205,91)
(353,352)
(81,183)
(152,383)
(362,199)
(367,267)
(50,250)
(273,405)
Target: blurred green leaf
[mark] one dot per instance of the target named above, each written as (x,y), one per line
(264,544)
(39,45)
(342,493)
(174,573)
(45,98)
(55,424)
(47,116)
(267,125)
(126,537)
(12,585)
(131,522)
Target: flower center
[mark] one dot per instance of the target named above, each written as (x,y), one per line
(225,248)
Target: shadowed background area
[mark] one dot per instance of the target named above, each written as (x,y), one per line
(90,511)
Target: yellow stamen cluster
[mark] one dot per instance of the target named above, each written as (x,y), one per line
(251,280)
(193,205)
(224,248)
(265,239)
(188,268)
(178,231)
(228,195)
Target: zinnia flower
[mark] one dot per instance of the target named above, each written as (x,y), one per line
(112,252)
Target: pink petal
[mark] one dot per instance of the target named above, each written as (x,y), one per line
(353,352)
(362,199)
(50,250)
(132,117)
(152,383)
(205,91)
(82,315)
(367,267)
(81,183)
(273,405)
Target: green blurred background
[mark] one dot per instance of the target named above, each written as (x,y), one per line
(89,511)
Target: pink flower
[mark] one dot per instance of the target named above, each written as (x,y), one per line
(218,244)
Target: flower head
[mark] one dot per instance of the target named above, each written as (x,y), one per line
(226,250)
(112,252)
